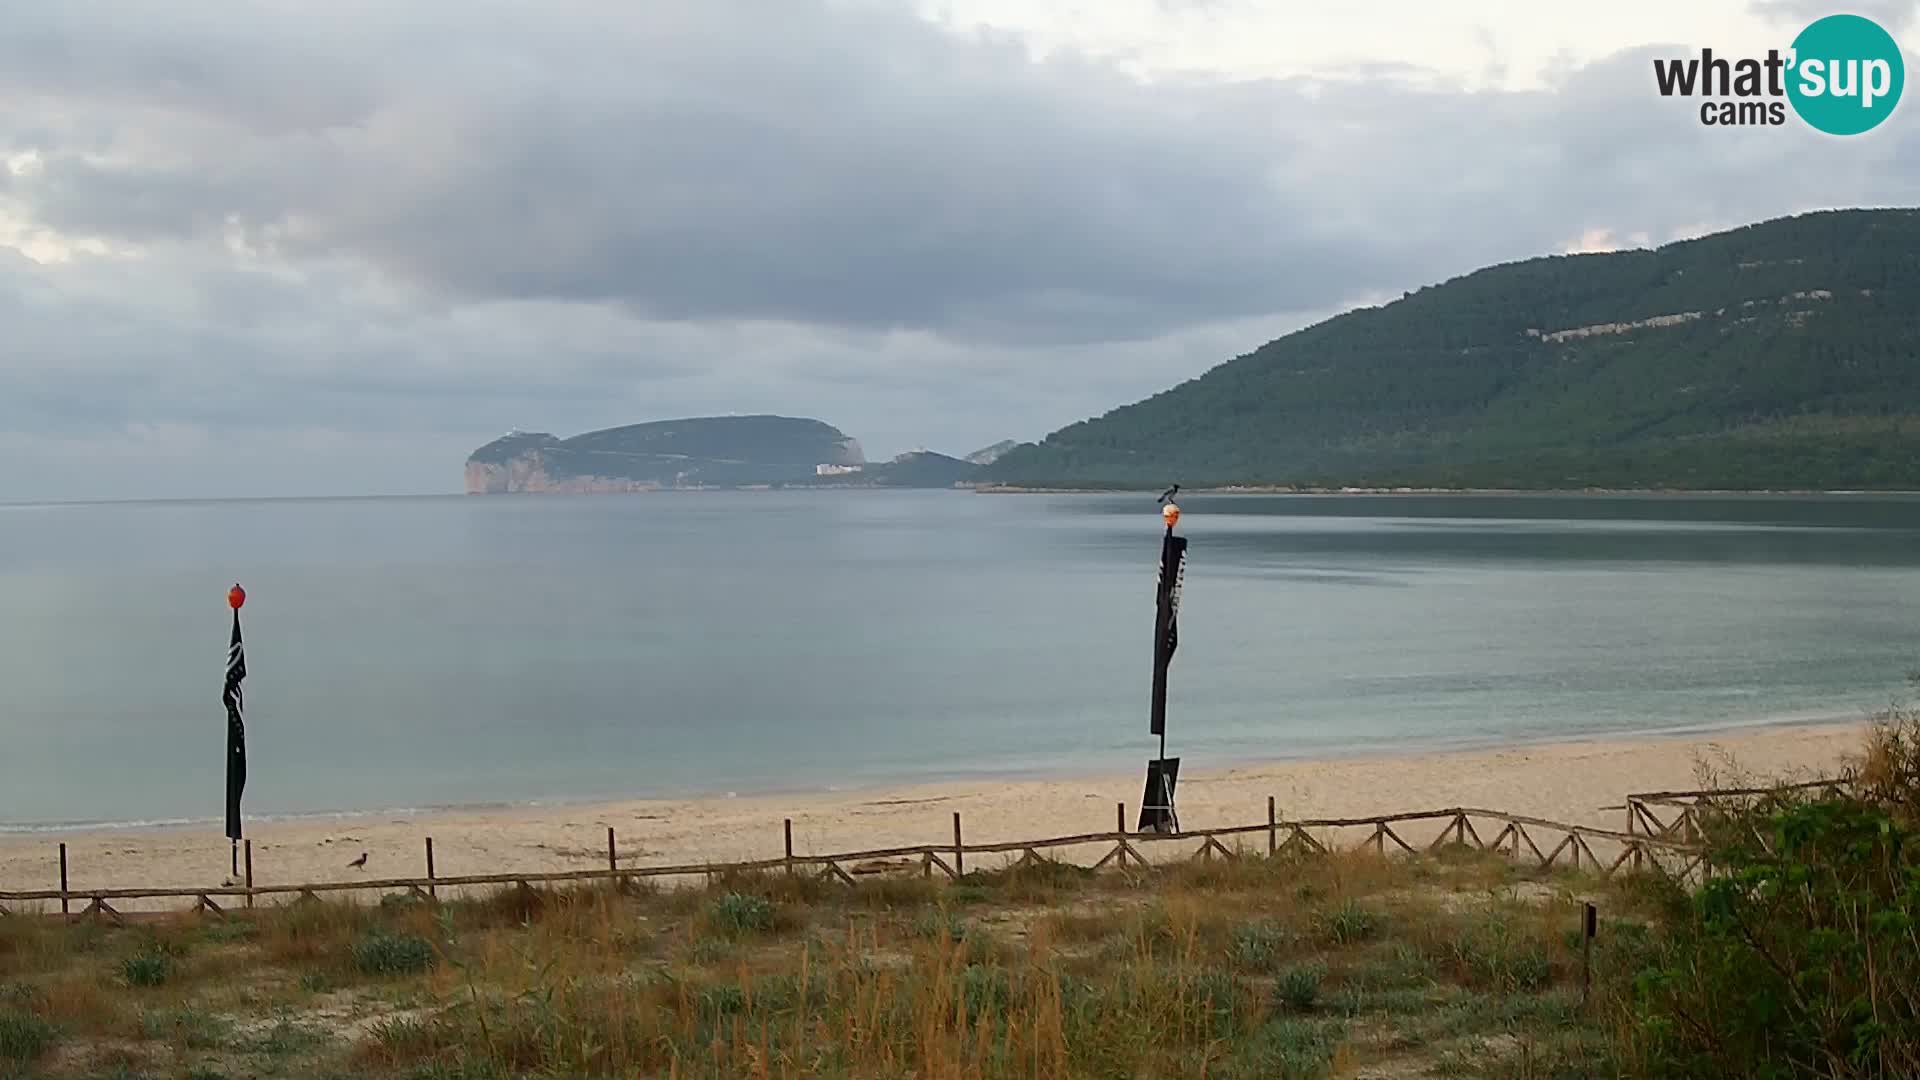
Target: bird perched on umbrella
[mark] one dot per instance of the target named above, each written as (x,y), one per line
(359,863)
(1167,494)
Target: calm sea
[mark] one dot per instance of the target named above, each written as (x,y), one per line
(454,650)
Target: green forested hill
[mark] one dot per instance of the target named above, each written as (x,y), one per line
(1779,355)
(703,451)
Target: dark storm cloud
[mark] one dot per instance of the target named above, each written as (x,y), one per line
(824,164)
(697,161)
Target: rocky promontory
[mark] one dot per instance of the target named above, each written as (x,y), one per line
(699,452)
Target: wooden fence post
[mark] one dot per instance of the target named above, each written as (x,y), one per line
(64,909)
(1120,830)
(613,863)
(431,891)
(787,826)
(248,843)
(1633,829)
(1589,925)
(1273,838)
(959,853)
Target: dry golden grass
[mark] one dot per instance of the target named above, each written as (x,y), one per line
(1282,967)
(1888,767)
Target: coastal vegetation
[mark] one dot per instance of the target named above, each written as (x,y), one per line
(1783,355)
(1797,958)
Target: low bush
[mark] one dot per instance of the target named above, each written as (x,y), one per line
(147,968)
(734,914)
(386,952)
(1799,956)
(1299,986)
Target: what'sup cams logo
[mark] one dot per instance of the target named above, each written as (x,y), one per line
(1843,75)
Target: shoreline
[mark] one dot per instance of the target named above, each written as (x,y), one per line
(1292,489)
(1689,732)
(1579,781)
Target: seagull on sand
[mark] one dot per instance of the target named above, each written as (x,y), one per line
(359,863)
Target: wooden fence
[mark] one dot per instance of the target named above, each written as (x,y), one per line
(1603,851)
(1686,806)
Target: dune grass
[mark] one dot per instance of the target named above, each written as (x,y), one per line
(1310,966)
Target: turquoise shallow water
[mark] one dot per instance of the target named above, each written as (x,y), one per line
(451,650)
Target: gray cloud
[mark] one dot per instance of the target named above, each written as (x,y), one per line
(1894,15)
(447,220)
(845,166)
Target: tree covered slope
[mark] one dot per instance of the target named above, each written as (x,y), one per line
(706,451)
(1779,355)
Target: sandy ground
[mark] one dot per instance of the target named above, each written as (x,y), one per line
(1582,782)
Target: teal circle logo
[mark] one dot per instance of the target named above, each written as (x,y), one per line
(1846,76)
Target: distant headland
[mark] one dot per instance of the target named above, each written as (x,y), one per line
(704,453)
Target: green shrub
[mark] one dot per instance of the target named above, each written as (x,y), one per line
(734,914)
(24,1036)
(384,952)
(1800,949)
(1221,997)
(1290,1049)
(1489,954)
(937,925)
(147,968)
(968,892)
(984,991)
(1348,924)
(1400,966)
(1258,946)
(1299,986)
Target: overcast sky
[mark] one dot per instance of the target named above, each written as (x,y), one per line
(274,248)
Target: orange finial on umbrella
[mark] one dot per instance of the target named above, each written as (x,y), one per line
(236,596)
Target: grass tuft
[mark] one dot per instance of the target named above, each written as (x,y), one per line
(147,969)
(1299,986)
(736,914)
(24,1036)
(1348,924)
(1258,946)
(940,925)
(387,953)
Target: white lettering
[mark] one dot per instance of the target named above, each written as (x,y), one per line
(1813,78)
(1843,79)
(1878,81)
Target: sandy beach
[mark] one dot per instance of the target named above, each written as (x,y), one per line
(1581,782)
